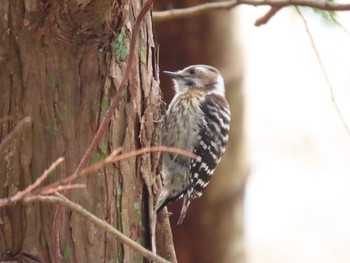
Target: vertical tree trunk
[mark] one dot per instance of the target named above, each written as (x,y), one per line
(61,62)
(213,228)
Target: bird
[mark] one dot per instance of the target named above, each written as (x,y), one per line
(198,121)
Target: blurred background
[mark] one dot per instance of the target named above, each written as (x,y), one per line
(281,193)
(298,191)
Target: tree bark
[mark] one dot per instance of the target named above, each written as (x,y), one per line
(61,63)
(213,228)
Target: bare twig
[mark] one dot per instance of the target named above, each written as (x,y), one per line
(90,170)
(154,149)
(98,136)
(194,10)
(102,163)
(60,199)
(21,194)
(60,188)
(265,18)
(227,5)
(32,193)
(330,86)
(112,158)
(20,127)
(64,184)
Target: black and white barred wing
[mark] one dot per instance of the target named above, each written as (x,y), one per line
(212,142)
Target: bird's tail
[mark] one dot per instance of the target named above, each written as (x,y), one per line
(164,199)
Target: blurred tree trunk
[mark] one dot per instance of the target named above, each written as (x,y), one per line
(213,228)
(61,62)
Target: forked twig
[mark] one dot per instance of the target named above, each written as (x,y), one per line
(65,184)
(21,194)
(32,193)
(112,158)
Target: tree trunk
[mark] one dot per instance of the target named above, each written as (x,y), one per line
(61,62)
(213,228)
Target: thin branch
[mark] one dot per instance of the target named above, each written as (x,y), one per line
(98,136)
(18,130)
(99,165)
(330,86)
(194,10)
(21,194)
(265,18)
(227,5)
(112,158)
(44,194)
(155,149)
(65,184)
(60,199)
(89,170)
(62,188)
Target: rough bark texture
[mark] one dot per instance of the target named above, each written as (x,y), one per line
(165,243)
(213,228)
(60,64)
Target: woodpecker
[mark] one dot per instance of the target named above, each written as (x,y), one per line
(198,121)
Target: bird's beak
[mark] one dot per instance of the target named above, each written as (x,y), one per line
(171,74)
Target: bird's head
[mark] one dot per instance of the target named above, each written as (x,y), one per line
(202,77)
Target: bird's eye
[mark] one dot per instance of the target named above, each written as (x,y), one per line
(191,71)
(189,83)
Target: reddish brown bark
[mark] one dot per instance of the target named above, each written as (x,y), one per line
(61,62)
